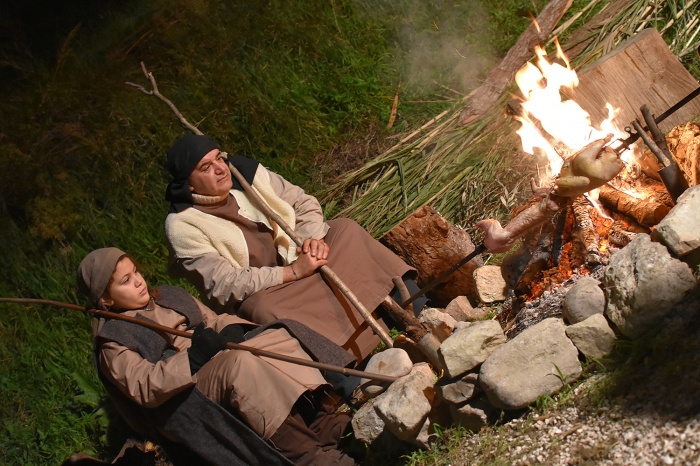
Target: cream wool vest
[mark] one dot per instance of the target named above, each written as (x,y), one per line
(192,233)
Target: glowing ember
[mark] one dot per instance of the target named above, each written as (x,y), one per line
(567,125)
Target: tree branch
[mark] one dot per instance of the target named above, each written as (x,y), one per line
(156,93)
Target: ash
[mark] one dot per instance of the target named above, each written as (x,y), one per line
(549,304)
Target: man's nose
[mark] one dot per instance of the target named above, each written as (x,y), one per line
(220,166)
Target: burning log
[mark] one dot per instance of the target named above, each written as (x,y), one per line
(618,234)
(645,212)
(501,76)
(586,230)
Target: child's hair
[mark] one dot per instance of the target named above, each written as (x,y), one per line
(153,292)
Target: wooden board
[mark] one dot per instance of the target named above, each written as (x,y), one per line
(640,71)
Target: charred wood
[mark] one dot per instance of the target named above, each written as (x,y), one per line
(618,234)
(585,230)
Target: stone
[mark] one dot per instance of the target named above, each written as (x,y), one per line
(525,368)
(642,283)
(584,299)
(593,337)
(405,406)
(462,325)
(474,414)
(470,346)
(439,415)
(680,229)
(424,367)
(366,423)
(439,323)
(428,242)
(392,361)
(410,347)
(458,391)
(490,285)
(460,309)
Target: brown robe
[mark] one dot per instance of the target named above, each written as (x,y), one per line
(261,390)
(363,264)
(257,293)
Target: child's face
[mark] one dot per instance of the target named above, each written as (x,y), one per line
(128,289)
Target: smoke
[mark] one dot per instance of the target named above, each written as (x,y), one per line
(442,44)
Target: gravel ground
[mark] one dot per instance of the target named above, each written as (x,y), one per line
(573,436)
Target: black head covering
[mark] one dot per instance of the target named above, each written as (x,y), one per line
(183,157)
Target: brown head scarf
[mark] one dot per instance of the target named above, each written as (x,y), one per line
(95,271)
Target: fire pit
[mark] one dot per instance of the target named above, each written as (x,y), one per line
(591,203)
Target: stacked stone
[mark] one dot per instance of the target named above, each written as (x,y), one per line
(484,373)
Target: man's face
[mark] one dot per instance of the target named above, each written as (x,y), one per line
(211,176)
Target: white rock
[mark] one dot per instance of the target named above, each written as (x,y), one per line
(460,390)
(460,309)
(470,346)
(392,361)
(439,323)
(643,282)
(490,285)
(593,337)
(680,229)
(523,369)
(366,423)
(473,415)
(584,299)
(404,407)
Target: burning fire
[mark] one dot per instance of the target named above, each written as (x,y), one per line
(567,126)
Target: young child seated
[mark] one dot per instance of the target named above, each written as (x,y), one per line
(279,401)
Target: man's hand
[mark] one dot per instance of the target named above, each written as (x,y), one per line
(306,265)
(316,248)
(312,255)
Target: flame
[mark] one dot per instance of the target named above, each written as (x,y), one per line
(592,197)
(567,124)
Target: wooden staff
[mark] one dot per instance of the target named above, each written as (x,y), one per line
(235,346)
(374,325)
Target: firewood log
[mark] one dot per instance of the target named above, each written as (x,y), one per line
(646,212)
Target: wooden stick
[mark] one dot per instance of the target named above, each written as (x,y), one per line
(656,133)
(392,116)
(416,331)
(403,293)
(374,325)
(162,329)
(413,328)
(500,76)
(646,212)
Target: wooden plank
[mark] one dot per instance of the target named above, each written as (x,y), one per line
(641,71)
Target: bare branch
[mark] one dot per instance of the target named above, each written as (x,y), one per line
(139,87)
(156,93)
